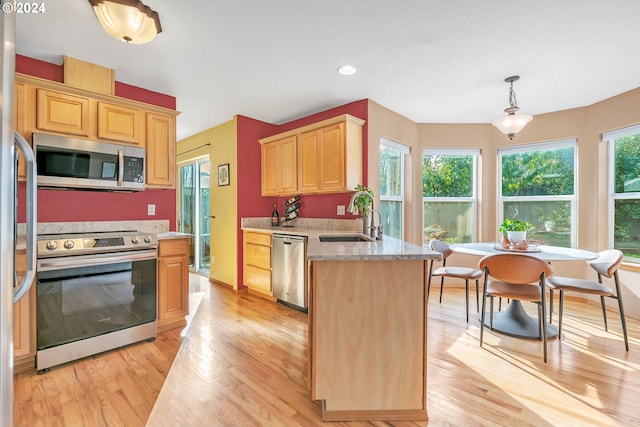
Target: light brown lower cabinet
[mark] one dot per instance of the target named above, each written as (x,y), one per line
(173,283)
(257,262)
(24,324)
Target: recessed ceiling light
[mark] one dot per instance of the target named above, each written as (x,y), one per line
(347,70)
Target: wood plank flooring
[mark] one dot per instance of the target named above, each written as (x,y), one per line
(243,362)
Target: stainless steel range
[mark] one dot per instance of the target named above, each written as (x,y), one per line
(95,292)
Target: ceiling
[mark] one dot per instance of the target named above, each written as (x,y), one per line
(433,61)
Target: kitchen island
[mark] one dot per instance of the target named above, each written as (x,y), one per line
(367,329)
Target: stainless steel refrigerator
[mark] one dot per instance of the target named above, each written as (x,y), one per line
(10,290)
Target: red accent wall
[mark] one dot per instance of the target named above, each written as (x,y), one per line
(87,206)
(250,201)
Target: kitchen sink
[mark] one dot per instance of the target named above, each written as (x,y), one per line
(343,239)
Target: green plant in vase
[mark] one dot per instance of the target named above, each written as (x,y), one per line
(516,231)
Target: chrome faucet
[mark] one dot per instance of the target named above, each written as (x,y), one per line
(353,200)
(373,231)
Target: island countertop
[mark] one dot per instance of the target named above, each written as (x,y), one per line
(388,248)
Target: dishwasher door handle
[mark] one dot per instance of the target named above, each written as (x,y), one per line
(286,242)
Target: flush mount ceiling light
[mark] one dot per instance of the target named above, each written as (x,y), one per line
(127,20)
(512,123)
(347,70)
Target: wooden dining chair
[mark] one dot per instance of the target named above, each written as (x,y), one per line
(518,277)
(606,265)
(465,273)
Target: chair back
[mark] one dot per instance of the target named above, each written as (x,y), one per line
(608,262)
(440,246)
(515,269)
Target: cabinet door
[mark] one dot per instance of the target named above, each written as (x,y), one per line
(23,120)
(173,283)
(62,113)
(24,324)
(279,167)
(308,162)
(161,151)
(119,123)
(269,161)
(288,165)
(332,158)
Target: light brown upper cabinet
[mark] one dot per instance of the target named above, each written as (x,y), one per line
(161,151)
(23,120)
(120,123)
(56,108)
(279,173)
(329,158)
(62,113)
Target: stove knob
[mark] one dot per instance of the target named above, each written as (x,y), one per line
(51,245)
(148,239)
(68,244)
(135,240)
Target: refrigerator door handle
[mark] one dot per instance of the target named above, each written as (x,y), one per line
(32,209)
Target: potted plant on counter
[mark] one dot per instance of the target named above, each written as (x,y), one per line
(515,230)
(362,203)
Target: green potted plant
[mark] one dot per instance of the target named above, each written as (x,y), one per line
(515,230)
(362,203)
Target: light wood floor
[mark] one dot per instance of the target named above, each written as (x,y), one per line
(253,355)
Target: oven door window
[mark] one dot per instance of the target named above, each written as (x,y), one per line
(83,302)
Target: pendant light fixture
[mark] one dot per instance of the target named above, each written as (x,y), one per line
(512,123)
(127,20)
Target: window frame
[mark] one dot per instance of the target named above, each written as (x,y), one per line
(475,153)
(609,138)
(541,146)
(403,150)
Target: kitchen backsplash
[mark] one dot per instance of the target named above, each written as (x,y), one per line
(152,226)
(314,223)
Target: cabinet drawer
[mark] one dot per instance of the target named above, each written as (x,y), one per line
(258,256)
(258,238)
(257,278)
(173,247)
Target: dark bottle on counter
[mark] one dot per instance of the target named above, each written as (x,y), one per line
(275,218)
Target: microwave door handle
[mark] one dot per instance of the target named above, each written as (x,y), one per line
(32,208)
(120,168)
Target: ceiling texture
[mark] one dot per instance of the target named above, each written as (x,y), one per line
(433,61)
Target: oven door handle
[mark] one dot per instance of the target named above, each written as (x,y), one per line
(86,261)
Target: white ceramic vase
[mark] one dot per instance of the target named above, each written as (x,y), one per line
(516,237)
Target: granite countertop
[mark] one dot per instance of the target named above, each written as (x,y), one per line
(388,248)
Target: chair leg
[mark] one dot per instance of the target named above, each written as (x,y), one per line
(550,306)
(604,313)
(543,323)
(621,308)
(477,299)
(441,286)
(466,294)
(560,310)
(491,314)
(484,305)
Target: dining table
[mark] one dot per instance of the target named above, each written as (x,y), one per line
(514,320)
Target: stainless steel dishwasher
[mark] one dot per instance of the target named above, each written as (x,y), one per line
(289,271)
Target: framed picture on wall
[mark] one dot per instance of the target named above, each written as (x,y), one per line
(223,175)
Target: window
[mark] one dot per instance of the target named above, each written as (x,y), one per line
(449,195)
(538,185)
(624,178)
(392,187)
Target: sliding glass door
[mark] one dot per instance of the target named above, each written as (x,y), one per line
(193,216)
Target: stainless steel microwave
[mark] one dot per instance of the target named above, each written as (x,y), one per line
(79,163)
